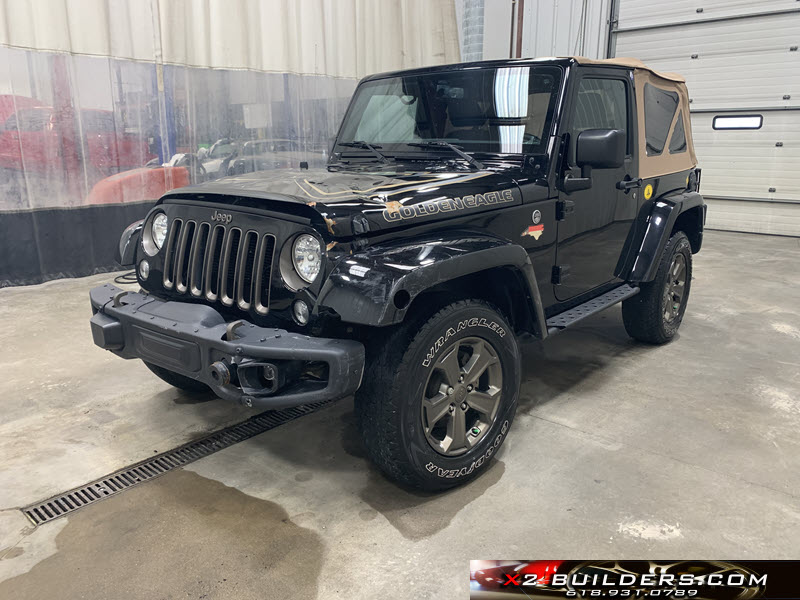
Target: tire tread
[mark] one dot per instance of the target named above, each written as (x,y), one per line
(642,314)
(375,407)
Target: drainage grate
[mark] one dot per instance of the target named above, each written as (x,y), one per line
(127,477)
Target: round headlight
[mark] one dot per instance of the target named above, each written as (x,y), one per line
(307,257)
(155,233)
(159,229)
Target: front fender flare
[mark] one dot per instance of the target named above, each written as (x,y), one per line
(370,287)
(126,250)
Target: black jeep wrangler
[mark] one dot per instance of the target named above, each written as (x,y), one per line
(463,208)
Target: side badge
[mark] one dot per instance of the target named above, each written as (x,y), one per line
(537,229)
(648,191)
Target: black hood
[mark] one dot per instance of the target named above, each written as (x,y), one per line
(352,202)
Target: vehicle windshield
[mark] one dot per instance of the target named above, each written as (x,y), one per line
(222,149)
(482,110)
(253,148)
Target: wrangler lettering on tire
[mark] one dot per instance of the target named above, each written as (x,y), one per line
(474,322)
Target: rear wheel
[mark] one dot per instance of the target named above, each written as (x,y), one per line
(177,380)
(438,400)
(655,313)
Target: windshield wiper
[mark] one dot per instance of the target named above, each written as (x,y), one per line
(366,146)
(435,144)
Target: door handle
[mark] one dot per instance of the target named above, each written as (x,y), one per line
(629,184)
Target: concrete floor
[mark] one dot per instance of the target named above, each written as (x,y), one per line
(690,450)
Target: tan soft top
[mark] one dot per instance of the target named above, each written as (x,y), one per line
(633,63)
(666,162)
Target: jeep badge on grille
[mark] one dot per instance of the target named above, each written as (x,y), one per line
(221,217)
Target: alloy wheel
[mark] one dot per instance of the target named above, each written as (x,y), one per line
(462,396)
(675,288)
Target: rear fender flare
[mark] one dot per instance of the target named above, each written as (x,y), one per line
(656,232)
(375,287)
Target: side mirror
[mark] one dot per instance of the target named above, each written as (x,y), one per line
(599,149)
(202,153)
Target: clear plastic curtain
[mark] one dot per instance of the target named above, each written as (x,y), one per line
(170,94)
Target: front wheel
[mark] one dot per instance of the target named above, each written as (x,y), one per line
(438,400)
(655,313)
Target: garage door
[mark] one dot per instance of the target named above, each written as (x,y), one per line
(742,66)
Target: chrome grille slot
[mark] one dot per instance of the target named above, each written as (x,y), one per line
(184,253)
(227,273)
(222,264)
(197,259)
(244,270)
(169,258)
(215,246)
(263,274)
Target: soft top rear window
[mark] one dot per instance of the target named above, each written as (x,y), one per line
(678,141)
(659,109)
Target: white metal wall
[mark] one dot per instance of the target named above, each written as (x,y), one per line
(738,57)
(565,28)
(550,27)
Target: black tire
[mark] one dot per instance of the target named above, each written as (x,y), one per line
(177,380)
(397,432)
(649,316)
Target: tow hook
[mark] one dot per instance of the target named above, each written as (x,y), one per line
(220,373)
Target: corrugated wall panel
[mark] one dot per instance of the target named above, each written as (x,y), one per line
(747,163)
(739,65)
(565,28)
(745,59)
(646,13)
(754,217)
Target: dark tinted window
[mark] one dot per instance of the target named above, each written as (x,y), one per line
(506,109)
(659,108)
(600,104)
(678,141)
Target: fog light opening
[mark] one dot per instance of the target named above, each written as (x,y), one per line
(144,269)
(300,312)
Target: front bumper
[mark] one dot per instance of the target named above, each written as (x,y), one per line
(194,340)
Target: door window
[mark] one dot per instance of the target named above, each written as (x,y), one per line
(600,104)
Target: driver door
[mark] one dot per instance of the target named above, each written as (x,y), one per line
(595,221)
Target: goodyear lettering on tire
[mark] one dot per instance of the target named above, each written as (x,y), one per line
(476,464)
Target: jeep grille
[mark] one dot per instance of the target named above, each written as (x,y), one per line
(219,263)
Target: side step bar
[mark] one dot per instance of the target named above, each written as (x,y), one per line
(569,317)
